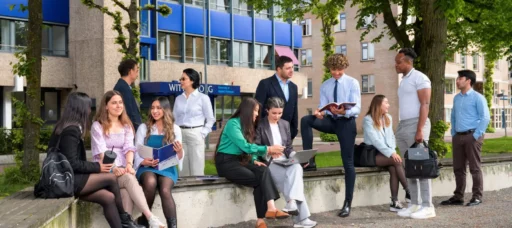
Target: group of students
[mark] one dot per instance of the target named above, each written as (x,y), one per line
(133,180)
(259,132)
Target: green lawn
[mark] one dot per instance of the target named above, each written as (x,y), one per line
(333,158)
(7,189)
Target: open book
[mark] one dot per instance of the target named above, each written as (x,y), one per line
(347,106)
(166,155)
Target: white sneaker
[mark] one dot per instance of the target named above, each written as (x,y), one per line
(408,211)
(291,208)
(154,222)
(306,223)
(395,206)
(424,213)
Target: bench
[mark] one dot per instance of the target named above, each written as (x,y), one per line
(23,210)
(201,198)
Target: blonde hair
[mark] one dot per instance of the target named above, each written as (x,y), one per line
(375,111)
(337,61)
(102,114)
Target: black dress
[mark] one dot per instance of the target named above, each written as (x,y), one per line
(72,146)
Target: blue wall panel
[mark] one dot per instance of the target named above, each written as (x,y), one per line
(56,11)
(219,24)
(194,20)
(283,34)
(243,27)
(264,31)
(297,36)
(173,21)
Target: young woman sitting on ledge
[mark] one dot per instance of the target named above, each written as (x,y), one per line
(93,180)
(234,161)
(378,131)
(288,178)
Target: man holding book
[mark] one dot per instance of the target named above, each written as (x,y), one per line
(339,120)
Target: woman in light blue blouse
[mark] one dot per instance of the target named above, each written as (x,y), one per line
(378,131)
(159,131)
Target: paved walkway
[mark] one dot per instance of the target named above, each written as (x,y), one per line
(494,212)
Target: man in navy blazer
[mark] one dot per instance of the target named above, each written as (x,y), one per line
(129,71)
(279,85)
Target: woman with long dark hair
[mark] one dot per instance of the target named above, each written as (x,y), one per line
(378,131)
(113,130)
(235,160)
(157,132)
(93,180)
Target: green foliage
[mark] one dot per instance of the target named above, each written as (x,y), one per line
(489,87)
(326,137)
(136,93)
(436,141)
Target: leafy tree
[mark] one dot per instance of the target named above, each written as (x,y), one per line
(29,66)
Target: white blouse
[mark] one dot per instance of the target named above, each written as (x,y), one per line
(194,111)
(140,138)
(276,138)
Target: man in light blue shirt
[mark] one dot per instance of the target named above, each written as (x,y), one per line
(470,117)
(341,88)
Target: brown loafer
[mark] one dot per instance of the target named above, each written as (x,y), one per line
(261,225)
(278,214)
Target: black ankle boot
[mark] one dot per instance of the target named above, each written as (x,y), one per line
(345,211)
(142,220)
(127,221)
(311,166)
(172,223)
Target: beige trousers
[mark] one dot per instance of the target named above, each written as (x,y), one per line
(131,193)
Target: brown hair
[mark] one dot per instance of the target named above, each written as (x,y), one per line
(102,114)
(337,61)
(168,121)
(375,111)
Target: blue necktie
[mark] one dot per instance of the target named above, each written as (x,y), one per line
(335,91)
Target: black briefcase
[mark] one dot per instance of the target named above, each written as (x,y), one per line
(364,155)
(422,169)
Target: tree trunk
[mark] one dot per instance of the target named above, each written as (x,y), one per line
(489,88)
(433,59)
(31,127)
(133,31)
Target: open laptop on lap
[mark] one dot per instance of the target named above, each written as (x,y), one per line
(302,156)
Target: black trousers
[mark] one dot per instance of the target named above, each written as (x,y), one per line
(258,177)
(345,129)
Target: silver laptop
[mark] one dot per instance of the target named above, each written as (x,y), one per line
(302,156)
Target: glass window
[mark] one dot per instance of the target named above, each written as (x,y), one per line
(194,51)
(51,106)
(219,5)
(306,57)
(368,20)
(169,47)
(144,70)
(342,25)
(240,7)
(306,27)
(219,51)
(277,11)
(263,14)
(5,35)
(475,61)
(241,54)
(463,60)
(449,86)
(144,23)
(368,85)
(262,56)
(20,28)
(195,2)
(368,51)
(341,49)
(59,37)
(45,42)
(448,115)
(310,87)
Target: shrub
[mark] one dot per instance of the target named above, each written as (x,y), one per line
(326,137)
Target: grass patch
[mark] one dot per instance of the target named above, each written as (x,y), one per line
(7,189)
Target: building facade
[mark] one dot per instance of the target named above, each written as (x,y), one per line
(81,54)
(373,64)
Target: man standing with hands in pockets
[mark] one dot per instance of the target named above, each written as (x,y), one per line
(341,88)
(470,117)
(414,126)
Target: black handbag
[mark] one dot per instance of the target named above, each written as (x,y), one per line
(364,155)
(422,169)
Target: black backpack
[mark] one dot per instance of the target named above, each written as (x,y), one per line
(57,178)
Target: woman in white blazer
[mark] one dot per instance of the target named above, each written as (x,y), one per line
(378,131)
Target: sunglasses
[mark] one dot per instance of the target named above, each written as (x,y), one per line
(183,79)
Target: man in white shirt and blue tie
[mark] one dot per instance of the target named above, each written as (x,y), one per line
(341,88)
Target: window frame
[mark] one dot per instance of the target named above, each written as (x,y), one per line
(219,61)
(168,56)
(342,47)
(451,89)
(370,48)
(310,87)
(304,56)
(342,25)
(370,83)
(306,27)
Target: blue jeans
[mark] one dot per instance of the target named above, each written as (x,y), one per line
(345,129)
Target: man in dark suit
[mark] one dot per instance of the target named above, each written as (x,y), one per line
(279,85)
(129,71)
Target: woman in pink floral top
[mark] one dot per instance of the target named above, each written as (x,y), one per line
(113,130)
